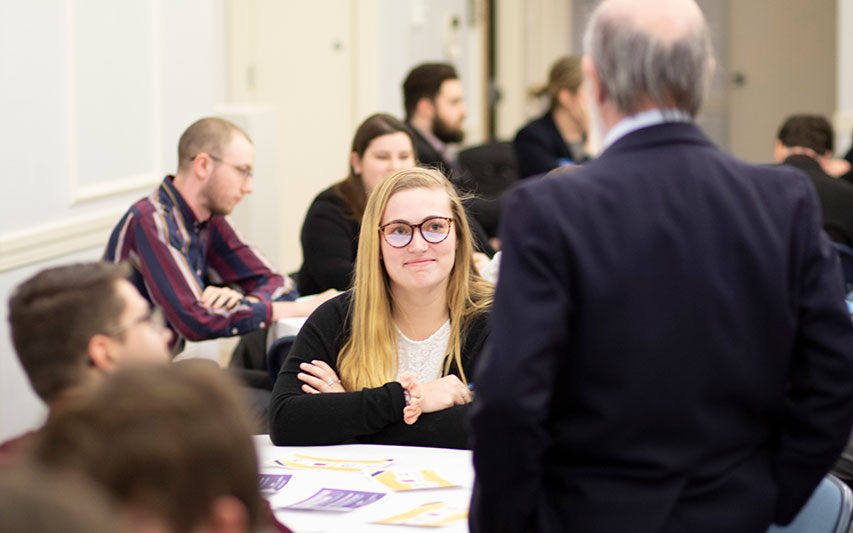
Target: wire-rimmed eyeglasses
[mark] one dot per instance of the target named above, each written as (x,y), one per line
(244,170)
(154,317)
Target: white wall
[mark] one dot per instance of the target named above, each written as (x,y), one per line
(530,37)
(59,199)
(418,31)
(292,59)
(844,114)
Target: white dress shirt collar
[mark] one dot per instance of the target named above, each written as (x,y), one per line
(643,119)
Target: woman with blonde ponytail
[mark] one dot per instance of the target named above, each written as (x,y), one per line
(390,361)
(560,136)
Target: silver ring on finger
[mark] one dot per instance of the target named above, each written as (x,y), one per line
(330,381)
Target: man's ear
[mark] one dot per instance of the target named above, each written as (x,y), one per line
(593,84)
(780,151)
(228,515)
(709,76)
(100,353)
(202,165)
(425,108)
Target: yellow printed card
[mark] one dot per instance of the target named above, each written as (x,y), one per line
(297,460)
(433,514)
(409,479)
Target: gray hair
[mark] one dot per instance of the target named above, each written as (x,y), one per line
(634,65)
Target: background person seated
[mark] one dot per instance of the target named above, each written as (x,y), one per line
(435,109)
(806,142)
(381,145)
(170,445)
(558,137)
(185,255)
(72,325)
(404,341)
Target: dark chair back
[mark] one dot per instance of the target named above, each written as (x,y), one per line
(276,354)
(487,171)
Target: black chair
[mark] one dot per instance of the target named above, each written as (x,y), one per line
(276,354)
(487,171)
(248,361)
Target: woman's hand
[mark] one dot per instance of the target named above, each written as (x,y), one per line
(412,391)
(319,377)
(443,393)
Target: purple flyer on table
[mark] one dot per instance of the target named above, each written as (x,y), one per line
(272,482)
(336,500)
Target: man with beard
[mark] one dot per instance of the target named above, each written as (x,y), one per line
(184,253)
(670,348)
(433,97)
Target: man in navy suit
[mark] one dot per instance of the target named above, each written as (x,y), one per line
(670,349)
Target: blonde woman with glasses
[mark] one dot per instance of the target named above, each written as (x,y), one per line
(390,361)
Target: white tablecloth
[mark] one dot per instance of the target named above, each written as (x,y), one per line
(286,327)
(453,465)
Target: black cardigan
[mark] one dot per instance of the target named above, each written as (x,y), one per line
(539,147)
(329,244)
(368,416)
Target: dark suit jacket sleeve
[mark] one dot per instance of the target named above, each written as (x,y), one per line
(819,407)
(328,247)
(518,370)
(533,152)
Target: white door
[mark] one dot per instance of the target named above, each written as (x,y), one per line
(781,60)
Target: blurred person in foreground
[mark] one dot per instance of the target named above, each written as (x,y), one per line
(172,446)
(34,499)
(73,325)
(670,348)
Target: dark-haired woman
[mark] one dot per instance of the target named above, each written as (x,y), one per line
(381,145)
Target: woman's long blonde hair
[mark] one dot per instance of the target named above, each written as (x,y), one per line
(369,357)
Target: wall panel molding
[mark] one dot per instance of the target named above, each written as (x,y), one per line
(34,245)
(114,98)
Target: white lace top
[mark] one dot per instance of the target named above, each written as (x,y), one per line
(423,358)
